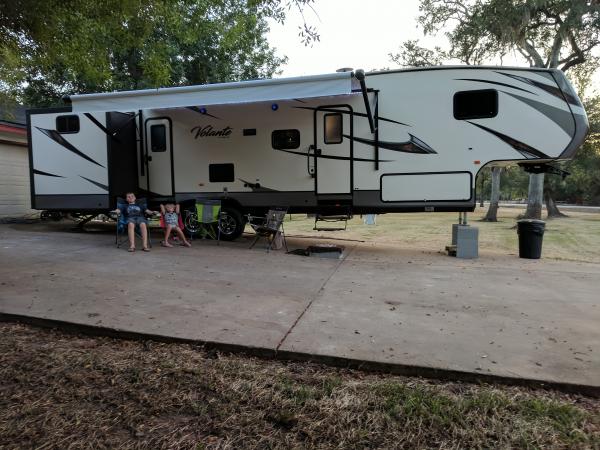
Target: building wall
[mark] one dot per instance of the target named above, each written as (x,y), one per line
(15,198)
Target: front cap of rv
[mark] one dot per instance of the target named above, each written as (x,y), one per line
(582,126)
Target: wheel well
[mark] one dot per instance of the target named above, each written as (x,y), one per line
(231,203)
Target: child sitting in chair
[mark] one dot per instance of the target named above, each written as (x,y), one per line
(170,214)
(134,214)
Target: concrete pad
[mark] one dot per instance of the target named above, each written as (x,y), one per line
(506,317)
(225,293)
(495,316)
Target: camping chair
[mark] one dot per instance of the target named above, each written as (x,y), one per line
(122,223)
(271,227)
(163,225)
(205,220)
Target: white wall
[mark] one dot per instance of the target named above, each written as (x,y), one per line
(14,179)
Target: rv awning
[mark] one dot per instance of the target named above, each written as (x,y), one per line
(217,94)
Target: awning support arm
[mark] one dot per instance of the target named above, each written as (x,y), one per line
(360,76)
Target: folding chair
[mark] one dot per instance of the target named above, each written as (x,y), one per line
(205,220)
(271,227)
(122,222)
(163,226)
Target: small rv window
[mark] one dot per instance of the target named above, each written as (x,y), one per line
(334,127)
(285,139)
(481,104)
(220,173)
(158,138)
(67,124)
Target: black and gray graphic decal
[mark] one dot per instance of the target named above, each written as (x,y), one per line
(46,174)
(496,83)
(99,125)
(553,90)
(413,145)
(100,185)
(256,187)
(111,133)
(57,137)
(526,150)
(202,111)
(560,117)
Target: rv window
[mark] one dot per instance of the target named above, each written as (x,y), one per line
(220,173)
(481,104)
(158,138)
(67,124)
(285,139)
(334,127)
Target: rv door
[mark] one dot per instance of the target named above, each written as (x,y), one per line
(332,151)
(159,156)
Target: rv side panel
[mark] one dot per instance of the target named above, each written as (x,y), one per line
(68,160)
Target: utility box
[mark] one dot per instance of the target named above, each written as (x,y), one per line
(465,241)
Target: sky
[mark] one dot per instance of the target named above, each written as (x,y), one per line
(355,33)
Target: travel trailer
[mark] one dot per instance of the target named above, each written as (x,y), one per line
(339,144)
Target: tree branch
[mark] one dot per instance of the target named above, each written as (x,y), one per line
(533,53)
(554,54)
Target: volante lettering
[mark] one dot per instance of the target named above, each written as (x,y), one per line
(209,131)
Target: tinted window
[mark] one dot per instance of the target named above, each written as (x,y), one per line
(476,104)
(334,127)
(158,138)
(222,173)
(67,124)
(285,139)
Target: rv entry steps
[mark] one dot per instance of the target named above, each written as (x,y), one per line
(320,219)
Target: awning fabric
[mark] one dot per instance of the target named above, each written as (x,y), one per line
(217,94)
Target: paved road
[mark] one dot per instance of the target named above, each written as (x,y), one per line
(497,315)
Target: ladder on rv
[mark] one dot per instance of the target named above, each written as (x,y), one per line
(325,219)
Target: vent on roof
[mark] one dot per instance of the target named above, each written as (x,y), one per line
(345,69)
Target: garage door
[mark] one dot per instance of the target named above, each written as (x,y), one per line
(15,198)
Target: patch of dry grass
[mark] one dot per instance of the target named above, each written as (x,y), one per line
(575,238)
(64,391)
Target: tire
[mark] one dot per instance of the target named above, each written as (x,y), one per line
(232,223)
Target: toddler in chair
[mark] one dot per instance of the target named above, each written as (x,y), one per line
(170,214)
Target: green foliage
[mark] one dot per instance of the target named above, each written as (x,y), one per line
(55,48)
(547,33)
(583,185)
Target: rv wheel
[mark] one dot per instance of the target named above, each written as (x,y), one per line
(232,224)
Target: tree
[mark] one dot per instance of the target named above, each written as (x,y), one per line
(492,213)
(54,48)
(546,33)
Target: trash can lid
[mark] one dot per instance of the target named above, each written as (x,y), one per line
(530,221)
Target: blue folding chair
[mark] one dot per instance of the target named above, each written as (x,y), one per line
(122,222)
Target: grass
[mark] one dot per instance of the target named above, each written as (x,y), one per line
(65,391)
(575,238)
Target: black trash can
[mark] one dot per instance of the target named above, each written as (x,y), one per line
(531,235)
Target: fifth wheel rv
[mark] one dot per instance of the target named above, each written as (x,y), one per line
(341,143)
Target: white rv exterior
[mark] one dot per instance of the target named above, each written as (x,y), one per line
(407,140)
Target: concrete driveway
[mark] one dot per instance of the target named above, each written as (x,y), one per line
(382,307)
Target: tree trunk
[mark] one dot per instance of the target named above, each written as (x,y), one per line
(492,212)
(535,196)
(551,207)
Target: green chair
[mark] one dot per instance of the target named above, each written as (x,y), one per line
(205,220)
